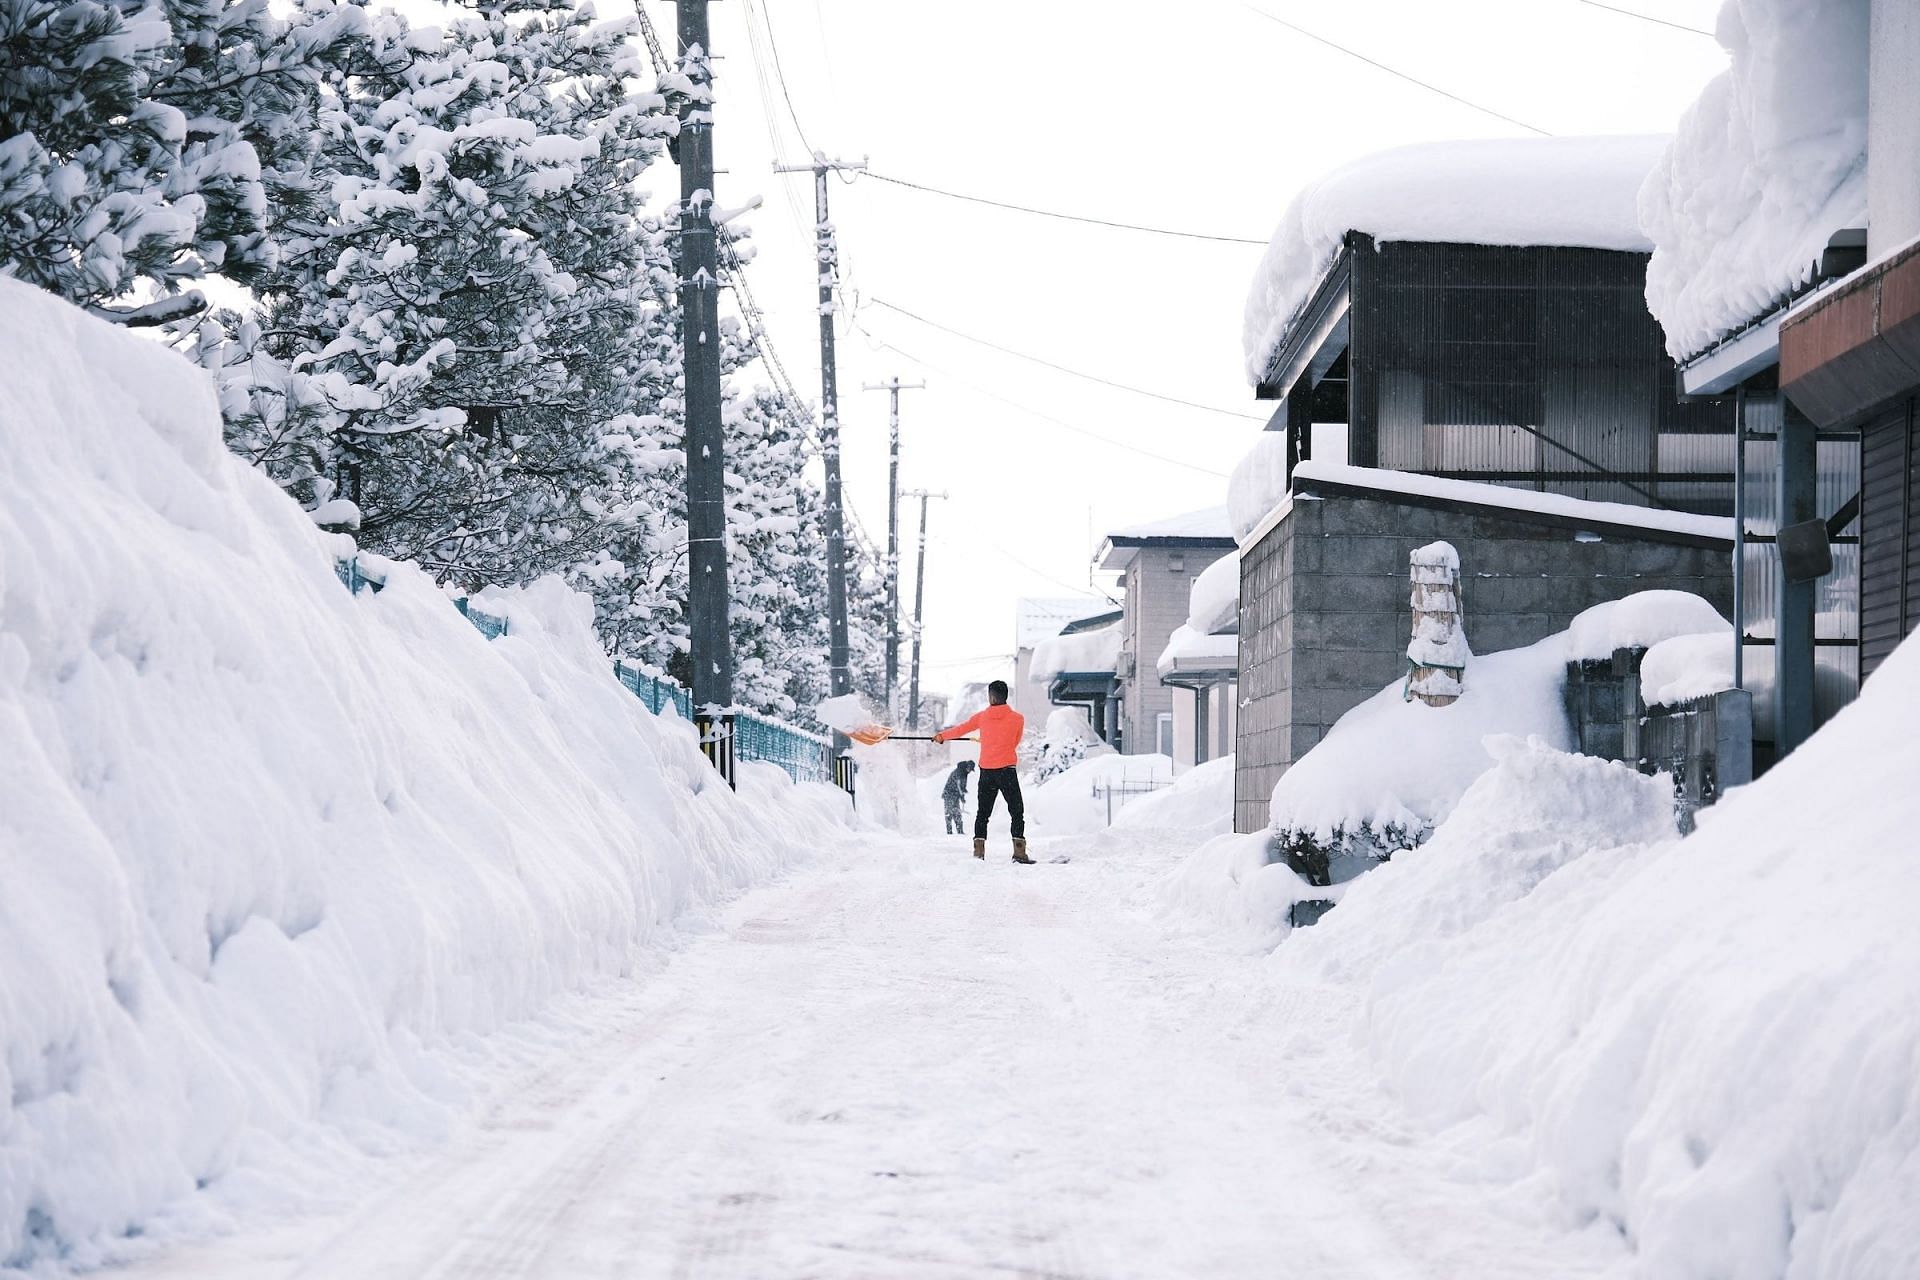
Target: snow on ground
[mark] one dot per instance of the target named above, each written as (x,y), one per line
(902,1064)
(275,855)
(1507,191)
(1767,164)
(1200,801)
(1083,797)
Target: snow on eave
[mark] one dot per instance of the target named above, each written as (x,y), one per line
(1568,192)
(1192,650)
(1471,493)
(1767,164)
(1095,651)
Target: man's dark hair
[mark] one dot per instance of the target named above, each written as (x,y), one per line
(997,692)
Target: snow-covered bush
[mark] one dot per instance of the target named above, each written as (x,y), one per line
(1069,739)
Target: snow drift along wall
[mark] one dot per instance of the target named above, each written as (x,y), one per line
(265,844)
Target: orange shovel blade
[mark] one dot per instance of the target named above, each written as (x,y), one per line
(870,735)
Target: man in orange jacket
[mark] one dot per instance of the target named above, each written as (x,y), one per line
(1000,728)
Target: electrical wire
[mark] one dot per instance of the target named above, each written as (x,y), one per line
(1647,17)
(773,42)
(1053,213)
(1060,368)
(1035,413)
(1374,62)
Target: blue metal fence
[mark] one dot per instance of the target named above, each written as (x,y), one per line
(807,757)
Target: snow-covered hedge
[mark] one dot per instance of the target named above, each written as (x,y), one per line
(266,845)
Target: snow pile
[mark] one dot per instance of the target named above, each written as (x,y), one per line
(1396,766)
(1213,605)
(1258,484)
(1767,164)
(1200,800)
(1641,621)
(266,845)
(1687,667)
(1534,811)
(1096,650)
(1228,886)
(1711,1045)
(1080,798)
(1578,192)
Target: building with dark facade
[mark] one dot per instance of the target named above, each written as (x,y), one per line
(1501,385)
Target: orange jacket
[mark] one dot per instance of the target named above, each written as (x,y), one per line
(1000,729)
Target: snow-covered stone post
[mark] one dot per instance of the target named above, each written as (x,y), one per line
(1437,654)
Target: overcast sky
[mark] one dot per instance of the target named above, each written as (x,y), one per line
(1202,116)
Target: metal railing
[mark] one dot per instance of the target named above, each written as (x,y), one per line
(807,757)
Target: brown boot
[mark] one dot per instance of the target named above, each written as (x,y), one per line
(1020,850)
(980,848)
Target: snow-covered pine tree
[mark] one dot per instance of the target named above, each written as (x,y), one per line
(142,148)
(463,340)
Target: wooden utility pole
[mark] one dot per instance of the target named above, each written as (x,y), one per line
(710,647)
(893,387)
(827,258)
(919,598)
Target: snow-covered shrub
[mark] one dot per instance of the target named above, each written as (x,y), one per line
(1068,740)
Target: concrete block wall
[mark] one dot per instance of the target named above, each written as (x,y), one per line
(1325,615)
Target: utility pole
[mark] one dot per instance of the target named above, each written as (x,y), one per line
(827,256)
(710,647)
(893,387)
(919,598)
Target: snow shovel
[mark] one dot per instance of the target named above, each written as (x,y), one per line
(872,735)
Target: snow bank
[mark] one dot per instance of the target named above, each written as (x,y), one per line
(1200,800)
(1228,887)
(1641,620)
(267,846)
(1096,650)
(1687,667)
(1534,811)
(1711,1045)
(1512,191)
(1213,605)
(1767,164)
(1394,764)
(1076,800)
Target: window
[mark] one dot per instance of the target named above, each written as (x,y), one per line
(1163,733)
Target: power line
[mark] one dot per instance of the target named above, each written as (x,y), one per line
(1090,377)
(1647,17)
(773,42)
(1044,417)
(1373,62)
(1064,217)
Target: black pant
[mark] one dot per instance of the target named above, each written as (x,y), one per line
(1000,782)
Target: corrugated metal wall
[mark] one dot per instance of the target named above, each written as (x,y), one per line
(1890,534)
(1535,367)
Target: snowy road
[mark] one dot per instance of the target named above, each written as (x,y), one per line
(902,1063)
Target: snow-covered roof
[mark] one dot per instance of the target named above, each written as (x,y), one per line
(1767,164)
(1210,523)
(1475,493)
(1037,617)
(1258,484)
(1578,192)
(1083,651)
(1213,606)
(1188,649)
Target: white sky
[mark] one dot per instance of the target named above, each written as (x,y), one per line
(1202,116)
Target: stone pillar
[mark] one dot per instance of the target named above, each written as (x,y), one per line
(1437,653)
